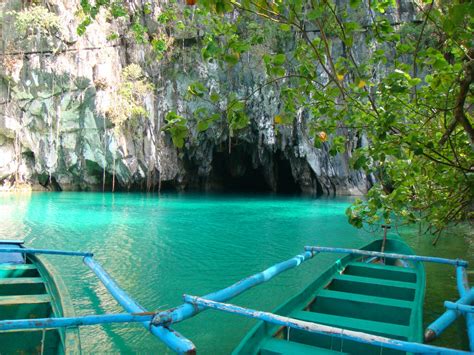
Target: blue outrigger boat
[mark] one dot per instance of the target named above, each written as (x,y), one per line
(367,302)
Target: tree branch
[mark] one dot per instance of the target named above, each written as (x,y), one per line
(459,113)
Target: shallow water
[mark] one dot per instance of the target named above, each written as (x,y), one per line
(158,247)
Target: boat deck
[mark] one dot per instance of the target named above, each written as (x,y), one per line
(370,298)
(24,294)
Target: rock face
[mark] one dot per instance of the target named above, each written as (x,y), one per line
(55,92)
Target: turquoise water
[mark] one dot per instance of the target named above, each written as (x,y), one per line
(159,247)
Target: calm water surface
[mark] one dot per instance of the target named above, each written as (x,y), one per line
(159,247)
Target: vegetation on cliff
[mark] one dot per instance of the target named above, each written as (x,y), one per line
(129,97)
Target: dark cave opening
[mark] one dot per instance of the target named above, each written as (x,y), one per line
(286,183)
(234,173)
(49,182)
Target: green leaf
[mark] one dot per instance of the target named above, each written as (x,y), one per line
(81,29)
(147,9)
(267,59)
(202,126)
(211,50)
(222,6)
(112,36)
(86,6)
(159,45)
(214,97)
(355,3)
(236,105)
(360,163)
(197,89)
(117,10)
(176,126)
(315,13)
(279,71)
(232,59)
(418,151)
(279,59)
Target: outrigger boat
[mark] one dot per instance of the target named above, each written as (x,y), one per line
(368,302)
(361,293)
(30,288)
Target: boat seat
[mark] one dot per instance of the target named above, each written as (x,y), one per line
(18,270)
(374,287)
(24,299)
(20,280)
(378,309)
(275,346)
(15,286)
(377,271)
(25,306)
(17,267)
(378,328)
(11,258)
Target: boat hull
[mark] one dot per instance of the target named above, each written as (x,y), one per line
(385,300)
(31,289)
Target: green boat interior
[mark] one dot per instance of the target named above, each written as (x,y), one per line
(372,296)
(26,292)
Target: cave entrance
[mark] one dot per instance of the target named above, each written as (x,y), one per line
(286,183)
(49,182)
(234,173)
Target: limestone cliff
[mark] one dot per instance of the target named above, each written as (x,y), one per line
(56,91)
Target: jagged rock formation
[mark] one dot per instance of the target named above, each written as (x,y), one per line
(54,131)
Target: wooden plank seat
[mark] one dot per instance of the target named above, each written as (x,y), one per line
(20,280)
(18,270)
(373,287)
(385,272)
(24,299)
(25,306)
(16,286)
(379,309)
(274,346)
(17,267)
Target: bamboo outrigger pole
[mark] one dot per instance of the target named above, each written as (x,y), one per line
(311,327)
